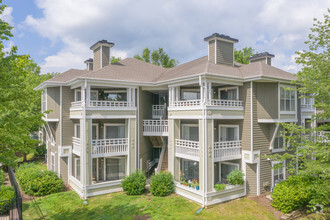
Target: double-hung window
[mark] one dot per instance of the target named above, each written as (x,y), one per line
(287,100)
(228,132)
(279,140)
(228,93)
(77,95)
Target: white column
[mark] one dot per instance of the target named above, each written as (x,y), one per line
(133,97)
(202,92)
(170,96)
(88,95)
(210,90)
(129,96)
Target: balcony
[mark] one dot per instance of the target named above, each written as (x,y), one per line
(76,145)
(225,103)
(155,127)
(185,103)
(103,104)
(109,147)
(158,111)
(187,149)
(307,108)
(227,150)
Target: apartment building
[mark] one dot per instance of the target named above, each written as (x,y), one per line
(199,120)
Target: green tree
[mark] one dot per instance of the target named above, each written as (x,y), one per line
(19,104)
(312,151)
(158,57)
(115,59)
(241,56)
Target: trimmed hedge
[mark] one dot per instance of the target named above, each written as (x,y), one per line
(2,177)
(134,184)
(7,194)
(162,184)
(236,177)
(292,194)
(36,182)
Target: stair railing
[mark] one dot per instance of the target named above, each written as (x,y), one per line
(161,157)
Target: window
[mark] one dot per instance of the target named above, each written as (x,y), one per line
(94,95)
(307,99)
(77,168)
(77,95)
(278,173)
(108,169)
(190,94)
(287,100)
(95,131)
(43,101)
(52,162)
(114,131)
(189,170)
(225,169)
(190,132)
(279,140)
(115,95)
(77,130)
(228,93)
(228,132)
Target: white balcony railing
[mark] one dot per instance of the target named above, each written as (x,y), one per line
(109,147)
(307,107)
(155,127)
(187,149)
(97,103)
(227,150)
(76,145)
(225,103)
(76,104)
(158,111)
(184,103)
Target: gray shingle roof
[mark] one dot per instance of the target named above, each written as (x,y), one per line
(258,55)
(226,37)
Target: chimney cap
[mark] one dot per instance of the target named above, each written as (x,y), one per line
(221,37)
(90,60)
(102,43)
(261,55)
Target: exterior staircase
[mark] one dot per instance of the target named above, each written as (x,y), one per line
(156,141)
(164,166)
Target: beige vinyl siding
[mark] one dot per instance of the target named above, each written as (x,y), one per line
(246,130)
(64,163)
(97,59)
(212,51)
(262,59)
(225,52)
(67,124)
(53,102)
(105,56)
(267,100)
(251,179)
(133,144)
(145,112)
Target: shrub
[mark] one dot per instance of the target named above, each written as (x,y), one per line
(40,150)
(36,182)
(219,187)
(291,194)
(162,184)
(236,177)
(2,177)
(134,184)
(7,194)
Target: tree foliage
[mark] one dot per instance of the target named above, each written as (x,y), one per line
(306,149)
(158,57)
(114,59)
(241,56)
(19,104)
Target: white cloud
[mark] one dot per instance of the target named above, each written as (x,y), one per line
(7,15)
(276,26)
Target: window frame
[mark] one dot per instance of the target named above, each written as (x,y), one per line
(52,161)
(44,101)
(285,111)
(227,163)
(116,92)
(75,168)
(112,124)
(97,130)
(278,135)
(98,180)
(75,95)
(188,125)
(229,126)
(76,130)
(97,95)
(190,90)
(283,171)
(228,88)
(181,160)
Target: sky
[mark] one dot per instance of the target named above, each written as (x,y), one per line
(58,33)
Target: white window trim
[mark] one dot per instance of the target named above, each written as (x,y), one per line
(279,99)
(284,170)
(228,126)
(190,90)
(224,89)
(227,163)
(52,162)
(97,95)
(75,95)
(188,125)
(273,140)
(105,171)
(97,129)
(76,129)
(180,168)
(75,168)
(112,124)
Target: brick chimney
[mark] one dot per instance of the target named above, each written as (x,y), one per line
(89,64)
(101,50)
(221,49)
(264,57)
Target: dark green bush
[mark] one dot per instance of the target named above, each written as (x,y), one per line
(36,182)
(7,194)
(2,177)
(134,184)
(162,184)
(40,150)
(292,194)
(235,177)
(219,187)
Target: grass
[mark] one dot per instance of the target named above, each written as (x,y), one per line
(68,205)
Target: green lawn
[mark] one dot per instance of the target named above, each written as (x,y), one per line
(68,205)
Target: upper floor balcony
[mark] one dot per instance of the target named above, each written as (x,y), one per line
(307,104)
(210,95)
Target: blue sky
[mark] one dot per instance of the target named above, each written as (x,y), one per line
(58,33)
